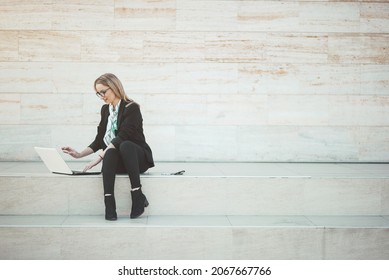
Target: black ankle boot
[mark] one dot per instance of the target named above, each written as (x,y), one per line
(139,202)
(110,208)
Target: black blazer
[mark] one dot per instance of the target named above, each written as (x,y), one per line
(130,127)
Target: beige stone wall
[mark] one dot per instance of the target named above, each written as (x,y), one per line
(230,80)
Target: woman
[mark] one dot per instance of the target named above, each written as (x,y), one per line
(121,139)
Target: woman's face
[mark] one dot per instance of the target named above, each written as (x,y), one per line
(106,94)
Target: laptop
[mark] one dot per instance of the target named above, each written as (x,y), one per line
(56,164)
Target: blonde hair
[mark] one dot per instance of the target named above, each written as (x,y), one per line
(111,81)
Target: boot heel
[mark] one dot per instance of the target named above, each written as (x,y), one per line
(146,202)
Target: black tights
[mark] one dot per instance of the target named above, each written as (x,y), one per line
(128,159)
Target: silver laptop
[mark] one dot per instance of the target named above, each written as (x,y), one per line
(56,164)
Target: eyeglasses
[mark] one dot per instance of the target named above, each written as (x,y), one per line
(102,93)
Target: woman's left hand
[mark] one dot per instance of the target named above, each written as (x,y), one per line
(92,164)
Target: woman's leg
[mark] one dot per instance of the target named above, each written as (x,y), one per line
(134,160)
(110,163)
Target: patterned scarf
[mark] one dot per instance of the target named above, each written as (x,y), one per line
(112,124)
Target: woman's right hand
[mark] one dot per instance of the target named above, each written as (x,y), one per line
(71,151)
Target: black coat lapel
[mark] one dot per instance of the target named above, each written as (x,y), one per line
(121,110)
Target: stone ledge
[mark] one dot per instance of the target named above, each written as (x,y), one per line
(223,169)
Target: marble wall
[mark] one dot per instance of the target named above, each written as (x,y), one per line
(217,80)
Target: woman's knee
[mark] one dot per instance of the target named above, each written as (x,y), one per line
(110,157)
(110,154)
(127,147)
(110,151)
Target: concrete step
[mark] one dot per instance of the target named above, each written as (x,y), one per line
(27,188)
(214,211)
(195,237)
